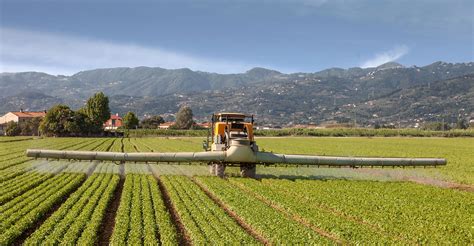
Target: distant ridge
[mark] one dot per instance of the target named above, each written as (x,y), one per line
(272,95)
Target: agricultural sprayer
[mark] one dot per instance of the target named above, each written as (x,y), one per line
(231,142)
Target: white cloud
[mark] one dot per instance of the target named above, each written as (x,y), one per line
(22,50)
(387,56)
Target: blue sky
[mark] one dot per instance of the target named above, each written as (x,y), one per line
(64,37)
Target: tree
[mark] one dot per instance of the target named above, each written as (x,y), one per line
(97,111)
(57,121)
(130,121)
(30,127)
(77,125)
(184,118)
(152,122)
(436,126)
(12,129)
(462,124)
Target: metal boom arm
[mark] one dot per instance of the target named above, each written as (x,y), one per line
(235,154)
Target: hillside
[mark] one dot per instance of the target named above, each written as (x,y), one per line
(276,98)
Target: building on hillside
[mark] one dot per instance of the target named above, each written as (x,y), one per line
(18,117)
(114,122)
(166,125)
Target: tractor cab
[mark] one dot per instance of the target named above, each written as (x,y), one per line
(227,127)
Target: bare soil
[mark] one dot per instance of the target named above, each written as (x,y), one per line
(183,237)
(108,225)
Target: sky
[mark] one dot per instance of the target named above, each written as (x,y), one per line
(222,36)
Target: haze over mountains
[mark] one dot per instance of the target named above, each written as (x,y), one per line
(385,94)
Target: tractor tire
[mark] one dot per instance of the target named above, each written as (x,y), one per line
(248,171)
(212,169)
(220,170)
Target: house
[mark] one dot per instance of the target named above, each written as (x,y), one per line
(166,125)
(114,122)
(18,117)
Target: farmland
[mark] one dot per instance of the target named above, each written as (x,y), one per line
(60,202)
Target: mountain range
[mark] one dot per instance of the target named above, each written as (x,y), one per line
(390,93)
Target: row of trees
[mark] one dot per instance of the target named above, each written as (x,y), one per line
(184,120)
(60,120)
(26,128)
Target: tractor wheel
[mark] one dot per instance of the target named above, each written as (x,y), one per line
(220,170)
(212,168)
(248,171)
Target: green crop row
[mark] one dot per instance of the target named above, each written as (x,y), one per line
(24,211)
(116,145)
(142,217)
(417,213)
(22,184)
(58,223)
(342,227)
(4,139)
(21,165)
(142,146)
(104,146)
(263,219)
(205,222)
(85,227)
(80,216)
(18,158)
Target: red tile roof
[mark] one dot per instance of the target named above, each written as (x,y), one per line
(29,114)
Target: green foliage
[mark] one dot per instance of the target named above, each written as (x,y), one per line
(21,213)
(282,211)
(12,129)
(436,126)
(58,121)
(130,121)
(97,111)
(142,216)
(30,127)
(378,126)
(462,123)
(78,125)
(166,132)
(329,132)
(152,122)
(270,223)
(315,215)
(205,221)
(404,212)
(184,118)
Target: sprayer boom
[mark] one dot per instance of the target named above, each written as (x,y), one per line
(231,142)
(236,154)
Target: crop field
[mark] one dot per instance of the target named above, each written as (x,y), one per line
(88,203)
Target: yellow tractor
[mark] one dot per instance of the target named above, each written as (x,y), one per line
(231,142)
(227,128)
